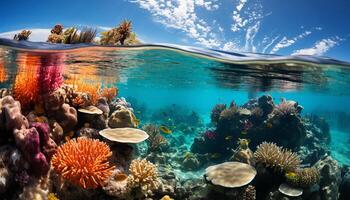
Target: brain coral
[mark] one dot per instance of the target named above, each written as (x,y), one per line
(143,176)
(84,162)
(275,157)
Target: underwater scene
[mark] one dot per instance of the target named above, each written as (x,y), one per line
(171,122)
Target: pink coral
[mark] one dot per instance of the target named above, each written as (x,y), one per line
(210,134)
(50,73)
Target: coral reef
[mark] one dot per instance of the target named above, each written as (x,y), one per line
(305,177)
(23,35)
(83,162)
(275,157)
(122,117)
(143,178)
(120,35)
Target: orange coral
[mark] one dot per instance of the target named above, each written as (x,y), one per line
(3,76)
(26,86)
(91,87)
(83,161)
(109,93)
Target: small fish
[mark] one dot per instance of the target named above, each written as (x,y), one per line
(165,130)
(228,137)
(244,132)
(120,177)
(243,143)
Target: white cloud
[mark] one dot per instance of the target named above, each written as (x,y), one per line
(230,46)
(37,35)
(181,15)
(320,47)
(285,42)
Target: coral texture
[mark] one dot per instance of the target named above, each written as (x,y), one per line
(304,177)
(83,162)
(275,157)
(143,176)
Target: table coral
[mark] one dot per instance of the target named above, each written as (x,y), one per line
(83,162)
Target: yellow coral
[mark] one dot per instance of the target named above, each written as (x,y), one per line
(166,197)
(275,157)
(52,196)
(303,177)
(143,176)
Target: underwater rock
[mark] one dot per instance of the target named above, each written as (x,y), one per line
(191,164)
(11,114)
(66,116)
(54,101)
(121,118)
(330,180)
(5,92)
(266,103)
(34,191)
(244,156)
(120,102)
(116,187)
(345,184)
(88,132)
(56,132)
(102,104)
(6,175)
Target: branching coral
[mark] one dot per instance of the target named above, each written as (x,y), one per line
(155,139)
(109,93)
(143,176)
(117,35)
(92,88)
(303,177)
(24,35)
(84,162)
(26,87)
(285,108)
(275,157)
(56,34)
(215,113)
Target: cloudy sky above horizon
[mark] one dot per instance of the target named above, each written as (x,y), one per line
(313,27)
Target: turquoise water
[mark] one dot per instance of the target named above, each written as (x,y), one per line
(178,87)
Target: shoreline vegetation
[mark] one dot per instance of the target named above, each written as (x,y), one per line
(120,35)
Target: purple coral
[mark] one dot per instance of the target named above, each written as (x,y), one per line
(47,145)
(22,178)
(50,74)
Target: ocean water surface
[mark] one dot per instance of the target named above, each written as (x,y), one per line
(178,87)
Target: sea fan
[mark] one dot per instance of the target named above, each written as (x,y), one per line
(83,161)
(277,158)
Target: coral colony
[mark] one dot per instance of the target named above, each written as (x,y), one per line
(70,137)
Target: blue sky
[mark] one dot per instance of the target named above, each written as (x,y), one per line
(313,27)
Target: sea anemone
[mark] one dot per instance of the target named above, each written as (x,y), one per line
(84,162)
(285,108)
(143,176)
(277,158)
